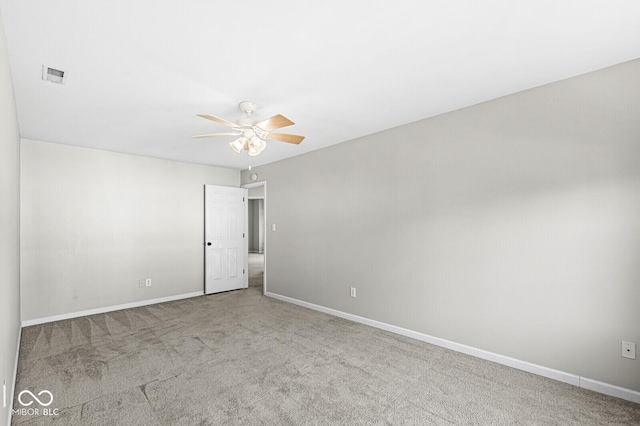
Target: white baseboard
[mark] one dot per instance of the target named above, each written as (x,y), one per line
(572,379)
(110,308)
(611,390)
(15,377)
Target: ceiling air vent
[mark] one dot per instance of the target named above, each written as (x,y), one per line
(53,75)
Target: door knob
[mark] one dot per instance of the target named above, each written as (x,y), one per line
(208,244)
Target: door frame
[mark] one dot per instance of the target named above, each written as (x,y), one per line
(247,186)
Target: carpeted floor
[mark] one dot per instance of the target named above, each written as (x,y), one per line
(242,358)
(256,270)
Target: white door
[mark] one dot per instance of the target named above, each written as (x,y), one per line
(225,247)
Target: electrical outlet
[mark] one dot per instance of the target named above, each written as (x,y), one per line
(140,283)
(628,350)
(148,282)
(353,292)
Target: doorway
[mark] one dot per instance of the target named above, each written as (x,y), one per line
(256,225)
(257,235)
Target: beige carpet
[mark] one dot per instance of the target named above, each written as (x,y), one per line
(242,358)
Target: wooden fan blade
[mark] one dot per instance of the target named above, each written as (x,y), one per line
(218,120)
(214,135)
(275,122)
(285,138)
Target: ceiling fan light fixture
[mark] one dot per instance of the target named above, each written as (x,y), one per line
(252,137)
(258,143)
(256,146)
(238,144)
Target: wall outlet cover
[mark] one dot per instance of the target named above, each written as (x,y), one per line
(628,350)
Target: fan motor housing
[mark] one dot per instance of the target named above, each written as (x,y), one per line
(245,122)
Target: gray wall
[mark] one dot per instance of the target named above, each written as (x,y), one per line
(510,226)
(256,225)
(256,192)
(261,226)
(9,228)
(96,222)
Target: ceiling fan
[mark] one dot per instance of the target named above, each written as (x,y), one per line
(253,135)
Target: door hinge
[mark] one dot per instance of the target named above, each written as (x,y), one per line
(242,235)
(243,272)
(243,199)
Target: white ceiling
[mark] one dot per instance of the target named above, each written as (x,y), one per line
(138,70)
